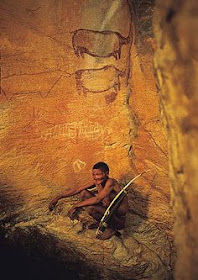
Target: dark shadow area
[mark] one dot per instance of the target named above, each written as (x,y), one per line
(138,200)
(142,11)
(11,202)
(137,216)
(26,253)
(17,264)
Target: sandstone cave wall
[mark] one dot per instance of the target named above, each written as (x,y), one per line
(72,95)
(176,63)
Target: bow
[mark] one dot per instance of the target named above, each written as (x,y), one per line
(114,204)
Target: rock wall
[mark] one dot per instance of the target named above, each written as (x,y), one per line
(77,87)
(148,139)
(62,95)
(73,94)
(176,25)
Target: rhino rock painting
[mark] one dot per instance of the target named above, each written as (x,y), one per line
(98,80)
(98,43)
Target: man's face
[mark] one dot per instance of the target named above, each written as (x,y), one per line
(99,176)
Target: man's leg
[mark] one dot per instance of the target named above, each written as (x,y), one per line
(85,194)
(116,222)
(94,211)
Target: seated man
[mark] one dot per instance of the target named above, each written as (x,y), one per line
(96,203)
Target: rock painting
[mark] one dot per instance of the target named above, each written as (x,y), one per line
(98,43)
(76,130)
(109,98)
(107,77)
(101,44)
(78,165)
(27,84)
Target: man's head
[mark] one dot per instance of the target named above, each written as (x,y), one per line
(100,172)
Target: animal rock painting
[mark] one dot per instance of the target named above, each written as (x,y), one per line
(98,43)
(98,80)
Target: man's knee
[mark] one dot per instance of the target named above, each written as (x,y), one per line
(85,194)
(92,211)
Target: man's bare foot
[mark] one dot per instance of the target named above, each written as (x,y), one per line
(106,234)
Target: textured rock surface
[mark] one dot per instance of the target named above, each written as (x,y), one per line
(177,71)
(73,94)
(142,252)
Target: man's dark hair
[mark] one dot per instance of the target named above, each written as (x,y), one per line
(102,166)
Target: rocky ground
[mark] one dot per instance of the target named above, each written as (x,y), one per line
(143,251)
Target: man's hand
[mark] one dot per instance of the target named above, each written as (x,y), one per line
(52,204)
(71,212)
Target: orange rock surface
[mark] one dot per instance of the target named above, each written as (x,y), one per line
(73,95)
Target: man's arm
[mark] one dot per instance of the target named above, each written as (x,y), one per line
(95,199)
(64,194)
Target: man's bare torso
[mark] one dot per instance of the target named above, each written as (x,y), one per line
(116,188)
